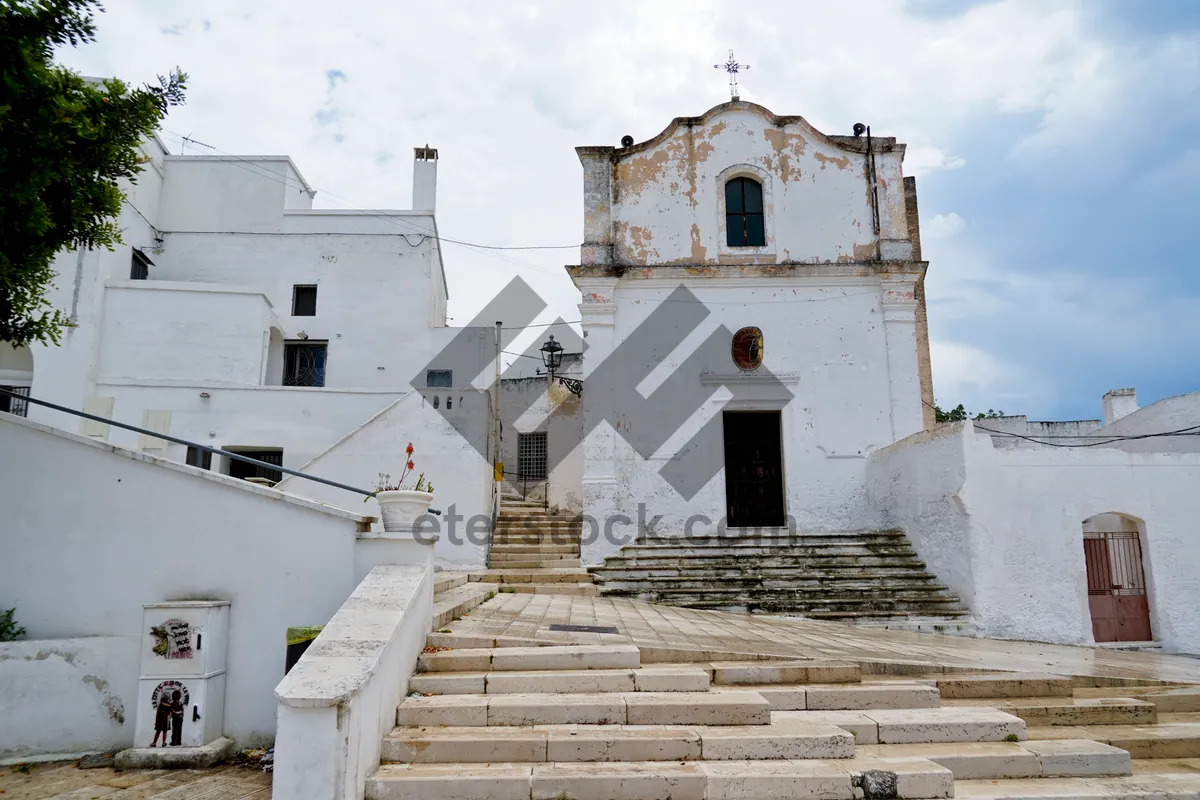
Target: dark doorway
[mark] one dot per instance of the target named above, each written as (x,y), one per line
(753,469)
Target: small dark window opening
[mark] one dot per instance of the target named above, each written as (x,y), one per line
(436,401)
(439,378)
(304,363)
(744,213)
(199,458)
(244,471)
(531,456)
(304,301)
(139,267)
(18,406)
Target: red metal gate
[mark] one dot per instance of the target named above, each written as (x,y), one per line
(1116,587)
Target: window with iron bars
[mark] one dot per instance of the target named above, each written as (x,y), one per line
(304,363)
(531,456)
(304,300)
(139,267)
(439,378)
(15,405)
(244,471)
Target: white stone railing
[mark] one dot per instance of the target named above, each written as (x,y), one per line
(339,700)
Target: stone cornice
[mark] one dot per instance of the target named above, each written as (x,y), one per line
(885,270)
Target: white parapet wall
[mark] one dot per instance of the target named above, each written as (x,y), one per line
(63,697)
(1003,528)
(340,698)
(91,532)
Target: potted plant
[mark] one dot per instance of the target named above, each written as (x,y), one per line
(400,504)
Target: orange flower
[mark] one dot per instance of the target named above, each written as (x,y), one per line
(409,450)
(410,465)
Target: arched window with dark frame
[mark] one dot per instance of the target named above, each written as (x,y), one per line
(744,213)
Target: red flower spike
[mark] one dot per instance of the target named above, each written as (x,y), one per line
(410,465)
(409,449)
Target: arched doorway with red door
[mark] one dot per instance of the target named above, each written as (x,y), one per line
(1118,597)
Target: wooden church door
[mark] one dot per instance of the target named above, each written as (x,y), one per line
(1117,597)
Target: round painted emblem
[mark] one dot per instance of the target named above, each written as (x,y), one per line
(170,688)
(748,348)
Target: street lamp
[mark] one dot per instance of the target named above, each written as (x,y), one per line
(552,353)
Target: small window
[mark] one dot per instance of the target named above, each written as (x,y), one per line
(748,348)
(439,378)
(199,458)
(304,301)
(256,472)
(744,213)
(18,406)
(304,363)
(531,456)
(139,268)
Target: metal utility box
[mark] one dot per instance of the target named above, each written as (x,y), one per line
(181,686)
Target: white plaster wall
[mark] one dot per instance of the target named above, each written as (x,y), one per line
(339,700)
(917,485)
(827,341)
(1170,414)
(302,421)
(183,331)
(1025,510)
(668,196)
(564,436)
(374,291)
(450,451)
(91,533)
(67,696)
(249,193)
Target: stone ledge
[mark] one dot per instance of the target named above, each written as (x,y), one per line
(348,651)
(175,757)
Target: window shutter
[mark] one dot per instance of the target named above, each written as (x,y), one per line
(101,407)
(159,422)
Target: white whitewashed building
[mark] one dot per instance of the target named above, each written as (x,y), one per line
(237,316)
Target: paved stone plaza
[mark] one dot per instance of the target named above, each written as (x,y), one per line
(64,781)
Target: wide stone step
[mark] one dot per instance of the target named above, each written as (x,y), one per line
(1176,786)
(738,673)
(573,589)
(857,583)
(715,552)
(1164,740)
(615,708)
(1004,684)
(445,581)
(860,697)
(1085,711)
(919,725)
(452,604)
(1042,759)
(855,616)
(653,679)
(608,743)
(754,571)
(525,549)
(565,575)
(527,659)
(541,564)
(815,608)
(700,780)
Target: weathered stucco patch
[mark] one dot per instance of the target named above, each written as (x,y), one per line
(786,146)
(841,162)
(635,173)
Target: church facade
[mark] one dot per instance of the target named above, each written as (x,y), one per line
(774,273)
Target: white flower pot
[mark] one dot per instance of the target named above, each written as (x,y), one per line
(401,507)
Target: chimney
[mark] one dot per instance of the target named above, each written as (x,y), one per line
(1119,403)
(424,179)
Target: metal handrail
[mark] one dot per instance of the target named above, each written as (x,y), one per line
(197,445)
(525,480)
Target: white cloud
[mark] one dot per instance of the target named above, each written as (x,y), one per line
(943,226)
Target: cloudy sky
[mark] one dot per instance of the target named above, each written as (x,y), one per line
(1056,143)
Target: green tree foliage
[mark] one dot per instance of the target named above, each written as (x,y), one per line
(65,143)
(959,414)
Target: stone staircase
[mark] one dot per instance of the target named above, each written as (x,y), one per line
(852,576)
(593,722)
(536,550)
